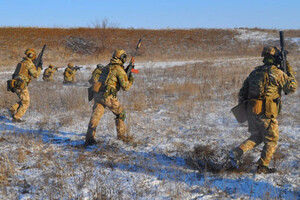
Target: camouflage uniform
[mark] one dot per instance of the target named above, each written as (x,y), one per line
(107,97)
(69,74)
(26,70)
(48,73)
(263,124)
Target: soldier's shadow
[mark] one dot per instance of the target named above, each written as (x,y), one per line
(158,165)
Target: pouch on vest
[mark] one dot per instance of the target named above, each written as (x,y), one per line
(19,84)
(255,106)
(14,84)
(271,110)
(10,86)
(96,86)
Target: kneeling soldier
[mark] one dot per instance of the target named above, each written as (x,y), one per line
(49,72)
(69,74)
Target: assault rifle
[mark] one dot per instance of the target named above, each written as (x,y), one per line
(283,53)
(77,68)
(39,62)
(130,68)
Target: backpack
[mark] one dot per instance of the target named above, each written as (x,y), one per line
(101,83)
(258,82)
(105,72)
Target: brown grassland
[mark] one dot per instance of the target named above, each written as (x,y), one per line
(93,45)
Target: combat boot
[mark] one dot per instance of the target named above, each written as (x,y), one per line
(90,137)
(234,158)
(265,170)
(89,142)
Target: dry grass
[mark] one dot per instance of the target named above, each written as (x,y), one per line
(92,45)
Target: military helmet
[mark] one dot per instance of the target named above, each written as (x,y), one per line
(71,65)
(30,53)
(51,66)
(120,54)
(270,51)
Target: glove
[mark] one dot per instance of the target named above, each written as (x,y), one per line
(131,79)
(289,69)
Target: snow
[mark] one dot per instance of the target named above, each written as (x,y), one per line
(246,34)
(261,37)
(154,167)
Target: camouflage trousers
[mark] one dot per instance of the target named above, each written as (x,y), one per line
(20,108)
(262,130)
(100,104)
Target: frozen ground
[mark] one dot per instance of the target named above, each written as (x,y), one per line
(260,37)
(44,157)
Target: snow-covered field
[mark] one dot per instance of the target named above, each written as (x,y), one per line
(172,108)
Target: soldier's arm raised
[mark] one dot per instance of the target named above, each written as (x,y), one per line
(123,79)
(287,82)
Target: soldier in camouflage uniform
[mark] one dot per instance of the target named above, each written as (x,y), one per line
(115,79)
(25,71)
(96,74)
(69,74)
(262,92)
(49,72)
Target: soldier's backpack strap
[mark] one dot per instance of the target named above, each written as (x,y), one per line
(17,71)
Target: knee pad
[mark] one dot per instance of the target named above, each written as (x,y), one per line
(121,116)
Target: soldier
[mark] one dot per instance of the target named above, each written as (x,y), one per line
(96,74)
(112,78)
(49,72)
(25,71)
(69,74)
(262,92)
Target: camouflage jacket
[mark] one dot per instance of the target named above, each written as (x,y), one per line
(48,73)
(278,81)
(69,74)
(117,77)
(26,70)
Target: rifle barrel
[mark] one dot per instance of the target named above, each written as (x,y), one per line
(281,33)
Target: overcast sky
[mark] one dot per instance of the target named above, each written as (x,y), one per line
(152,14)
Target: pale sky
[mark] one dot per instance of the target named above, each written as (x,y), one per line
(153,14)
